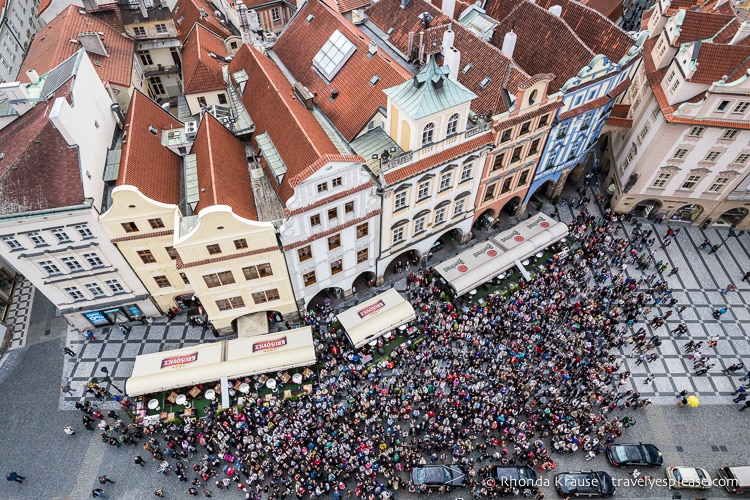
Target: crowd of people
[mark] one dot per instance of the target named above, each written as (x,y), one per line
(516,378)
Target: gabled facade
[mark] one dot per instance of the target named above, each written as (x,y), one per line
(687,153)
(264,16)
(18,23)
(157,46)
(429,189)
(112,54)
(328,198)
(203,57)
(209,248)
(55,148)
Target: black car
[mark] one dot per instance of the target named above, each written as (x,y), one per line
(513,477)
(438,475)
(584,484)
(624,455)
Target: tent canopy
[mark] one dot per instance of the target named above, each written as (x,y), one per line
(375,317)
(162,371)
(486,260)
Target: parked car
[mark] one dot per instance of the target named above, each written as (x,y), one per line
(625,455)
(438,475)
(736,479)
(514,477)
(584,484)
(696,478)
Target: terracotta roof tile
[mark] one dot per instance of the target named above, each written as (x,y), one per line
(40,170)
(202,72)
(482,59)
(268,97)
(145,163)
(698,25)
(223,177)
(716,60)
(611,9)
(344,6)
(188,13)
(52,45)
(358,99)
(395,175)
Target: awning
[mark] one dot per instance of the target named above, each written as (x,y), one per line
(486,260)
(163,371)
(375,317)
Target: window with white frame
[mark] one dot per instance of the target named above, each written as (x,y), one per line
(671,76)
(741,107)
(139,31)
(718,185)
(466,171)
(115,286)
(742,158)
(399,201)
(333,55)
(161,29)
(691,182)
(428,134)
(452,124)
(459,208)
(674,86)
(730,134)
(61,235)
(36,238)
(95,290)
(661,180)
(680,154)
(50,267)
(93,259)
(445,181)
(84,231)
(712,156)
(696,131)
(276,14)
(440,215)
(74,293)
(423,191)
(722,106)
(12,243)
(419,225)
(398,234)
(72,264)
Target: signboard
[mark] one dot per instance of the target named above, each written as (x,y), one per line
(179,361)
(96,318)
(267,345)
(372,308)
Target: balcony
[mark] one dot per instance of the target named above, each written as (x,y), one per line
(160,69)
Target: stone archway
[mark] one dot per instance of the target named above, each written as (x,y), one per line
(646,208)
(330,295)
(511,206)
(687,213)
(733,216)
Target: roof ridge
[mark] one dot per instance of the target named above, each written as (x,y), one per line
(565,23)
(210,156)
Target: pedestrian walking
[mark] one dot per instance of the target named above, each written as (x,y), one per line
(740,397)
(159,493)
(730,288)
(98,493)
(746,276)
(674,271)
(706,243)
(138,460)
(636,473)
(745,406)
(66,389)
(68,430)
(105,480)
(89,335)
(13,476)
(714,248)
(68,351)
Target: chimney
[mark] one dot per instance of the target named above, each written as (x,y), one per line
(426,19)
(509,44)
(448,37)
(404,3)
(32,75)
(555,10)
(742,33)
(449,8)
(372,49)
(452,59)
(142,6)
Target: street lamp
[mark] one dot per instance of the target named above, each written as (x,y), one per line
(109,380)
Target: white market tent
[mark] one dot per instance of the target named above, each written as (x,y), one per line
(199,364)
(375,317)
(486,260)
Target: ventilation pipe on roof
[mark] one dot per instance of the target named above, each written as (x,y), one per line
(32,75)
(119,115)
(448,37)
(509,44)
(555,10)
(449,8)
(452,59)
(372,49)
(404,3)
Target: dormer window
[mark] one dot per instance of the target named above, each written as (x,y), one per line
(333,55)
(452,124)
(428,134)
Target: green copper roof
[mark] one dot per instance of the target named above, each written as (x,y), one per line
(429,92)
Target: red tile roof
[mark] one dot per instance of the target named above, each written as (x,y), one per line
(537,35)
(201,72)
(399,174)
(611,9)
(344,6)
(358,99)
(717,60)
(485,59)
(698,25)
(188,12)
(145,163)
(268,97)
(43,5)
(52,45)
(40,170)
(223,177)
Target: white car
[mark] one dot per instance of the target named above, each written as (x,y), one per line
(696,478)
